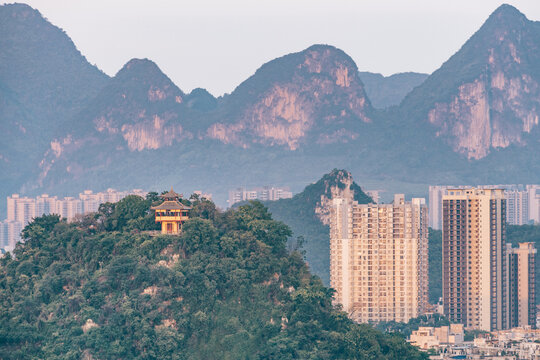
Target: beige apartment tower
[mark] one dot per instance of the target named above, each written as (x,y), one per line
(475,274)
(521,269)
(379,258)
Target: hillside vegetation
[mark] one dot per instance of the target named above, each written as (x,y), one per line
(227,288)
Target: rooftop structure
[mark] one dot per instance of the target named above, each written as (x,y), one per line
(171,213)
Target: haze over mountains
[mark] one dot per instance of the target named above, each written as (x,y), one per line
(68,126)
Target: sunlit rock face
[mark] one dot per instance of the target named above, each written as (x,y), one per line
(315,89)
(136,111)
(500,103)
(141,108)
(489,113)
(152,134)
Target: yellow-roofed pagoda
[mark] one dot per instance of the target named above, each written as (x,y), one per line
(171,213)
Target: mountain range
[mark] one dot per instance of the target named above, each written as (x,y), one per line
(68,126)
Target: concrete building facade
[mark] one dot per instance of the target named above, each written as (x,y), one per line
(475,274)
(379,258)
(521,263)
(522,203)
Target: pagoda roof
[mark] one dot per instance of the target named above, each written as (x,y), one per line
(171,205)
(171,195)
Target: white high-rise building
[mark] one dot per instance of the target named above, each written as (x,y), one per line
(12,207)
(25,210)
(517,207)
(263,193)
(68,207)
(379,258)
(21,210)
(533,192)
(10,234)
(45,205)
(90,201)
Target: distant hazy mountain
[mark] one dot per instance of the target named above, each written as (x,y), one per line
(44,81)
(473,120)
(486,97)
(386,91)
(314,96)
(313,99)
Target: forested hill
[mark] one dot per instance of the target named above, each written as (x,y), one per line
(227,288)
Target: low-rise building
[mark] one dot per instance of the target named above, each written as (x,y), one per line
(429,337)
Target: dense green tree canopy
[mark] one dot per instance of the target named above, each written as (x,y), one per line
(227,288)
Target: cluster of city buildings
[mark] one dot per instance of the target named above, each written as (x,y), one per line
(448,342)
(260,193)
(379,260)
(429,337)
(522,203)
(21,210)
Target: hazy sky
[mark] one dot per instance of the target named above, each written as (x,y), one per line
(218,44)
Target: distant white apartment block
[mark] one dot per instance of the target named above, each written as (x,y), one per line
(262,193)
(203,195)
(533,192)
(523,203)
(21,210)
(10,234)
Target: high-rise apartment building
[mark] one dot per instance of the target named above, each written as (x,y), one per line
(10,234)
(379,258)
(517,206)
(522,203)
(262,193)
(522,296)
(90,201)
(68,207)
(475,274)
(533,192)
(45,205)
(21,210)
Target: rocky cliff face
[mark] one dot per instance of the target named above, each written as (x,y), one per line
(493,101)
(316,89)
(140,105)
(338,186)
(138,110)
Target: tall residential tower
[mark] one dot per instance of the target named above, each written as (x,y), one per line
(475,274)
(521,264)
(379,258)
